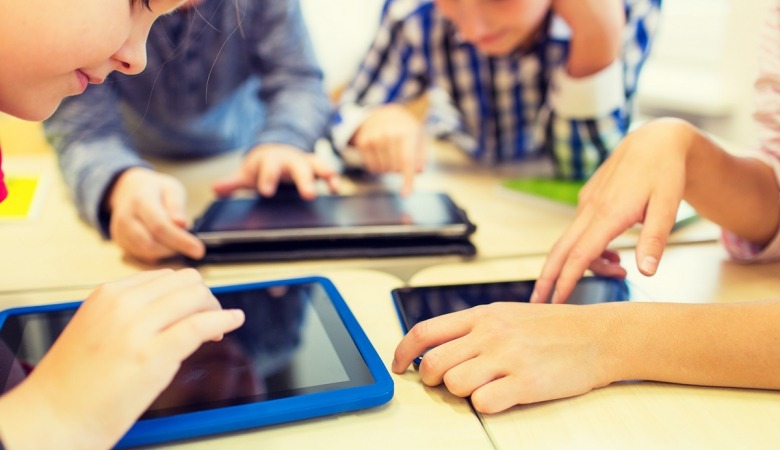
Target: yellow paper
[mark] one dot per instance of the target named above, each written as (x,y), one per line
(19,205)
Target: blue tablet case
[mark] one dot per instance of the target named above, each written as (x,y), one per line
(303,405)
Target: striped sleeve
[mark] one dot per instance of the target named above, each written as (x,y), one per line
(394,69)
(767,118)
(587,118)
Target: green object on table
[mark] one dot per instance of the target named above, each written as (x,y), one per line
(563,191)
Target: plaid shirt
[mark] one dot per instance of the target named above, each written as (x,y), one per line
(500,108)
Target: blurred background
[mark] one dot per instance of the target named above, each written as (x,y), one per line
(701,68)
(702,65)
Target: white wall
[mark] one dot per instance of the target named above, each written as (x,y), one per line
(703,66)
(341,31)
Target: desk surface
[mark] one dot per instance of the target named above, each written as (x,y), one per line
(56,249)
(643,415)
(55,257)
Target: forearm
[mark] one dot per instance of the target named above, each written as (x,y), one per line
(734,345)
(592,51)
(291,86)
(89,170)
(92,146)
(738,193)
(597,36)
(18,431)
(298,116)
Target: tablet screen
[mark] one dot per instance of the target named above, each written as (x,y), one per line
(293,343)
(415,304)
(379,214)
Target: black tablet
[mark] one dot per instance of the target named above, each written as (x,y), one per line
(416,304)
(290,218)
(300,354)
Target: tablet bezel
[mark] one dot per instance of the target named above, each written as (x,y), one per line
(267,412)
(406,322)
(460,229)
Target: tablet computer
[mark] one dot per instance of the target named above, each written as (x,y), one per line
(416,304)
(290,218)
(300,354)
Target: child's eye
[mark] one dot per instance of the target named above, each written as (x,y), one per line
(144,3)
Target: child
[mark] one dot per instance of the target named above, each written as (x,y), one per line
(128,338)
(222,76)
(508,354)
(519,79)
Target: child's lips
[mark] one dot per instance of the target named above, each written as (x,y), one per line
(490,39)
(85,79)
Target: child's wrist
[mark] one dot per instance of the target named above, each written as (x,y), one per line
(592,48)
(614,342)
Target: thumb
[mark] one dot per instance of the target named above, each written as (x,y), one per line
(409,165)
(175,203)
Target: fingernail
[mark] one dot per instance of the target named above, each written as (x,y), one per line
(534,297)
(649,264)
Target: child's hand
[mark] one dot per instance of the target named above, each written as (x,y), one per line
(391,140)
(266,165)
(597,33)
(148,216)
(505,354)
(643,181)
(121,349)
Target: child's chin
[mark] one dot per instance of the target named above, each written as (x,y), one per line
(32,112)
(499,48)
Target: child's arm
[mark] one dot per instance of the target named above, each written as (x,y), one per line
(506,354)
(280,53)
(93,147)
(589,103)
(393,72)
(597,33)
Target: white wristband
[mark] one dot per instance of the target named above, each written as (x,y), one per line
(588,97)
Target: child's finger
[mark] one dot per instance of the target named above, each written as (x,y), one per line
(268,177)
(557,258)
(659,220)
(591,244)
(303,176)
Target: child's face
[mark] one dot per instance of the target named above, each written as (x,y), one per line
(51,49)
(496,27)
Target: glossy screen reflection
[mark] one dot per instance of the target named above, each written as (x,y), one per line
(293,343)
(330,212)
(416,304)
